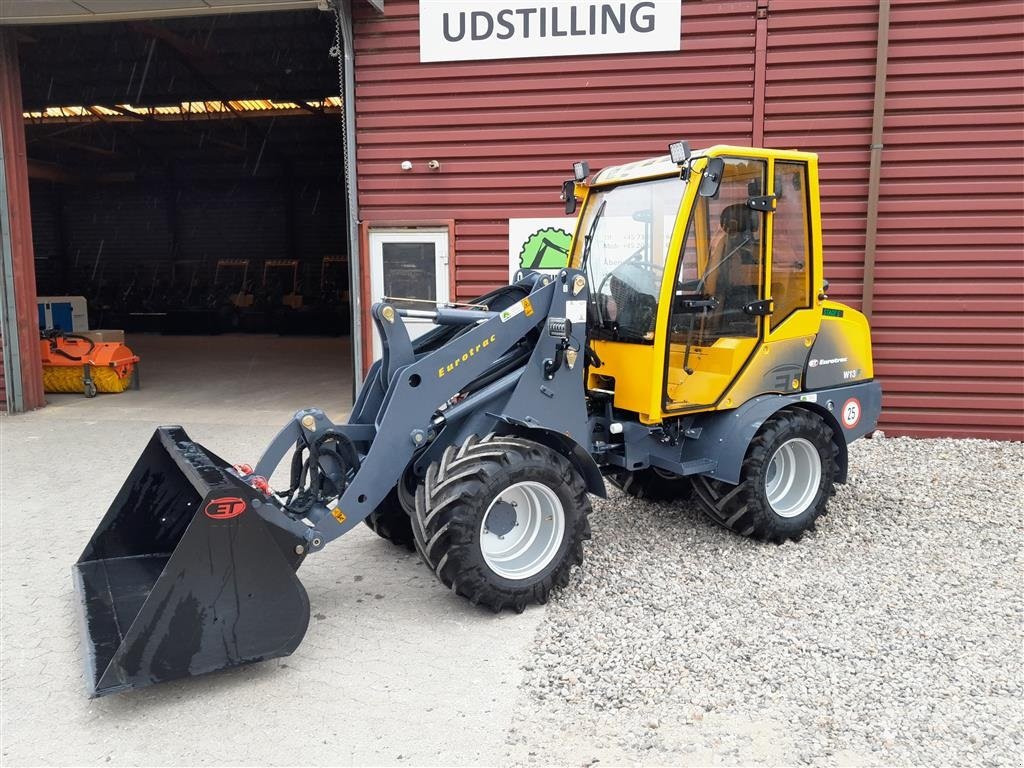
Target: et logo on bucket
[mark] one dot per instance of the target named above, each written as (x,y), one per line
(225,508)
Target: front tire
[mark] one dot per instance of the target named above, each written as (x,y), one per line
(501,520)
(787,478)
(391,519)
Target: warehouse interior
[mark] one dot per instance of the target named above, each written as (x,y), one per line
(186,176)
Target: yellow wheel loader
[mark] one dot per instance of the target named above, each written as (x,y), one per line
(687,346)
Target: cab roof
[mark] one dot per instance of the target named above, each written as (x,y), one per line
(650,168)
(663,167)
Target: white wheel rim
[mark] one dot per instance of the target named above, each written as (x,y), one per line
(532,543)
(794,474)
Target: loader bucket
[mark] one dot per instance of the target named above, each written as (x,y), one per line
(184,576)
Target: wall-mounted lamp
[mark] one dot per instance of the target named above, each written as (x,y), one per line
(406,165)
(434,165)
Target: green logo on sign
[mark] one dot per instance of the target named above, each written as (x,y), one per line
(546,249)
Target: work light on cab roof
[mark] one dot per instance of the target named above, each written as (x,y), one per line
(679,151)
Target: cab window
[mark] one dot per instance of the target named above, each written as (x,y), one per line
(721,258)
(791,242)
(626,233)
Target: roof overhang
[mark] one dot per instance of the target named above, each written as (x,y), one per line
(77,11)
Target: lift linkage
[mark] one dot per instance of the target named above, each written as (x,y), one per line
(193,567)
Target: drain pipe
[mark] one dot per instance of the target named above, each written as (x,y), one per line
(875,171)
(345,52)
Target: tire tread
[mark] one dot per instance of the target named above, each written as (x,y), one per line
(743,508)
(447,514)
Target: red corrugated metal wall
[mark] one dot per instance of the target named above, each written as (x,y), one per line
(819,90)
(506,132)
(949,282)
(24,277)
(950,271)
(948,318)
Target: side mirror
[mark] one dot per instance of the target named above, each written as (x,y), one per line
(711,178)
(569,196)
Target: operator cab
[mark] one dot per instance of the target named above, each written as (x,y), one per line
(693,266)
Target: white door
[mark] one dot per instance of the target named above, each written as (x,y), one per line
(410,268)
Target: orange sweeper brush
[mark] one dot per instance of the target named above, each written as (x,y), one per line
(74,363)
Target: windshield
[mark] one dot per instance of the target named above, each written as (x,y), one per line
(626,232)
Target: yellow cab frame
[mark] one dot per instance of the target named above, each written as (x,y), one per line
(641,372)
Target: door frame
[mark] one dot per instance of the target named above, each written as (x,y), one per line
(687,214)
(367,328)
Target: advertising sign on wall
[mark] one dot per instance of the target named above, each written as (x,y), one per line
(468,30)
(539,243)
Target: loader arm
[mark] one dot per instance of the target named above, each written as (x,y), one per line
(415,409)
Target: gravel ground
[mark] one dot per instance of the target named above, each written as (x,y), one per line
(892,635)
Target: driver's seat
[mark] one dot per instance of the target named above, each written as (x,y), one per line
(735,283)
(739,227)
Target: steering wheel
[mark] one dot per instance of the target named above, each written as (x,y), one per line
(631,304)
(634,260)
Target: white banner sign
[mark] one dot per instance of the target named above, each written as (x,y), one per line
(466,30)
(541,244)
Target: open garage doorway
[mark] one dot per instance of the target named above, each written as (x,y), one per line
(186,177)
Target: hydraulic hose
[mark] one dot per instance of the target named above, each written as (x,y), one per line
(53,336)
(301,496)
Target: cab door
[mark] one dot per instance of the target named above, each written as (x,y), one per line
(723,260)
(792,253)
(793,249)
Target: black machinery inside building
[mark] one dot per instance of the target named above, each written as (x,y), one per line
(186,175)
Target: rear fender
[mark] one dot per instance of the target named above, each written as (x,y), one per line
(724,436)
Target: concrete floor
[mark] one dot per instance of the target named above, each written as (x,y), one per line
(262,379)
(393,670)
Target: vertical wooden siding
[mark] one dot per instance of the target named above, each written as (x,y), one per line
(950,271)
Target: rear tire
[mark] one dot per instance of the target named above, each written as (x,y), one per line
(391,519)
(653,484)
(785,483)
(501,521)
